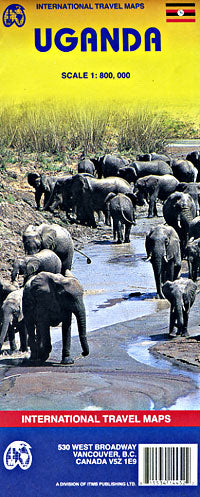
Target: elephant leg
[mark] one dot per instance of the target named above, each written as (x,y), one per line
(66,339)
(180,321)
(155,209)
(47,196)
(100,216)
(107,215)
(23,336)
(90,220)
(30,333)
(172,332)
(198,268)
(119,232)
(38,195)
(11,337)
(159,278)
(115,229)
(43,340)
(66,264)
(194,271)
(185,322)
(127,233)
(152,206)
(170,272)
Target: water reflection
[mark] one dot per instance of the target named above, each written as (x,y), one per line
(139,350)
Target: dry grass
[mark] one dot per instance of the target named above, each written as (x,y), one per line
(54,128)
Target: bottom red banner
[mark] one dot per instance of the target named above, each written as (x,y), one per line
(98,418)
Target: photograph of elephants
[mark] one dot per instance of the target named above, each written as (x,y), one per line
(99,206)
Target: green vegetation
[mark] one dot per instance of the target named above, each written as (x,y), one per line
(57,129)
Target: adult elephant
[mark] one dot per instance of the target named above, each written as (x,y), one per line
(12,320)
(193,189)
(45,260)
(194,228)
(163,251)
(153,187)
(194,157)
(184,170)
(52,237)
(88,195)
(181,295)
(50,299)
(193,257)
(122,212)
(43,185)
(86,166)
(139,169)
(109,165)
(179,210)
(60,195)
(154,156)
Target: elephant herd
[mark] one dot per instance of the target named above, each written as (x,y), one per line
(49,296)
(113,187)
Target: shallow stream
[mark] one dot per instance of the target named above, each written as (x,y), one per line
(119,286)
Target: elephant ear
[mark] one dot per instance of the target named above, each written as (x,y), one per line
(189,293)
(44,182)
(86,183)
(169,249)
(167,290)
(32,267)
(49,239)
(148,244)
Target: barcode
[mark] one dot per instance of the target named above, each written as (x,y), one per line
(167,464)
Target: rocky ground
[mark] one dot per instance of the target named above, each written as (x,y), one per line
(96,380)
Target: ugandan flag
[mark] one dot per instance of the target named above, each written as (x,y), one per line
(180,12)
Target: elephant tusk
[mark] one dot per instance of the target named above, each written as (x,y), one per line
(148,259)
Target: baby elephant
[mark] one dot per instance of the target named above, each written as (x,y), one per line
(181,295)
(12,320)
(122,210)
(45,260)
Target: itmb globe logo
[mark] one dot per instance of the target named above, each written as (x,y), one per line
(14,14)
(17,453)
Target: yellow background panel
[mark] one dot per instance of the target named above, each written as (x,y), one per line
(169,79)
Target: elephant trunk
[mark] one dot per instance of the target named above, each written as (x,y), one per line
(186,217)
(179,315)
(157,268)
(19,267)
(81,321)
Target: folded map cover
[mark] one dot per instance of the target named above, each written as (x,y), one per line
(110,90)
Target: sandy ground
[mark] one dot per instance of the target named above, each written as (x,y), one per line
(108,378)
